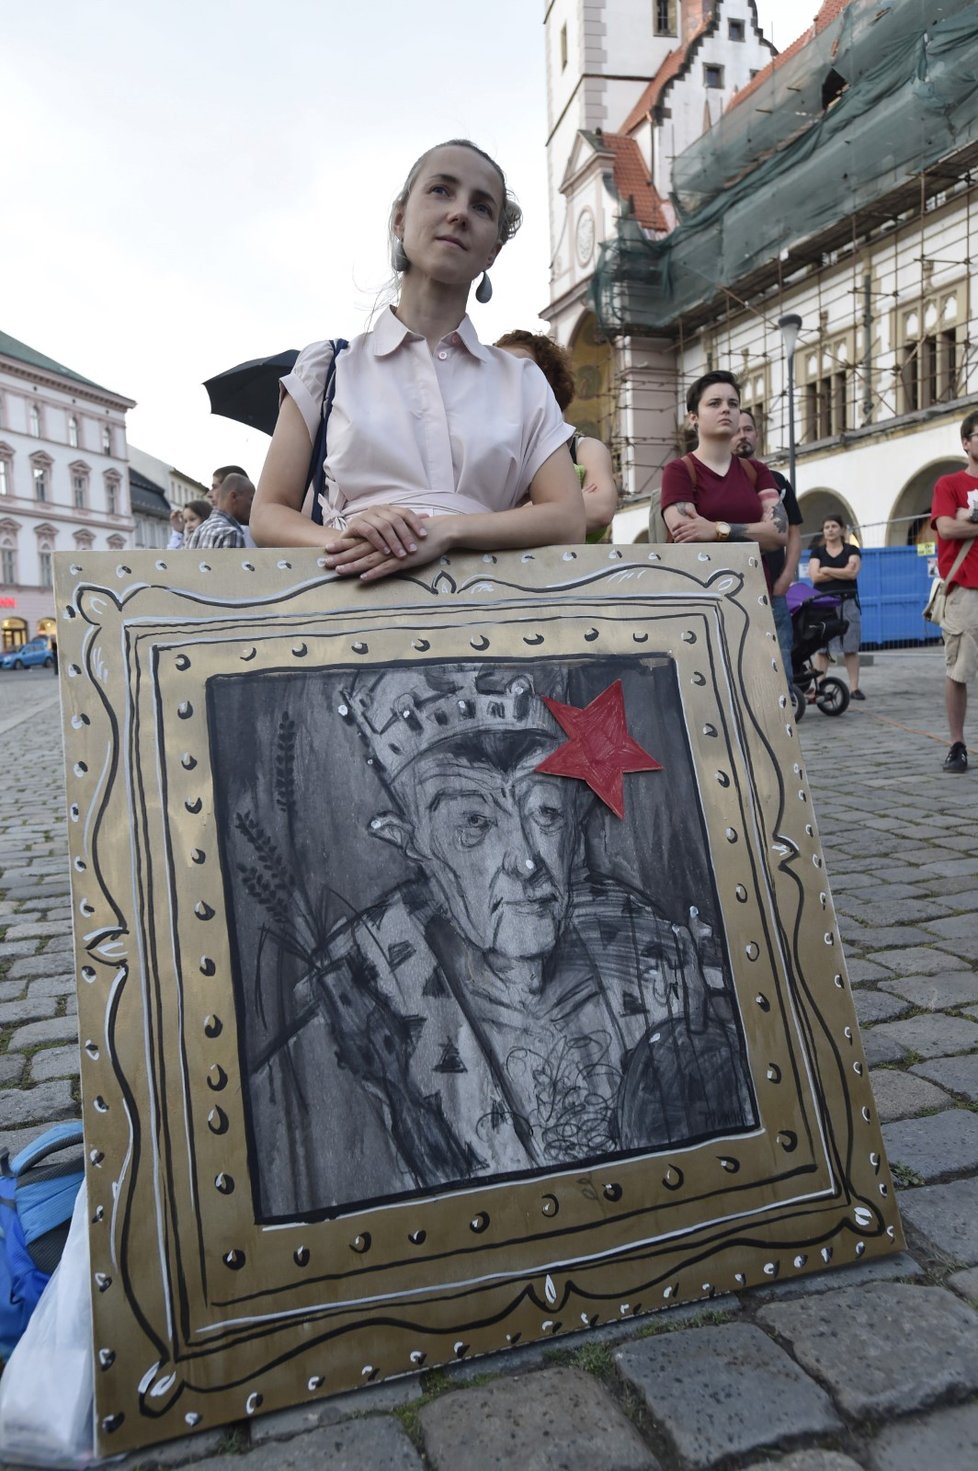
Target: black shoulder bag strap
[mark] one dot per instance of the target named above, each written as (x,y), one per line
(317,473)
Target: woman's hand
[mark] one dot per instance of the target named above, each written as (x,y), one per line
(353,555)
(394,531)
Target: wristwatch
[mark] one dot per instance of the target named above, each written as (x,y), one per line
(723,530)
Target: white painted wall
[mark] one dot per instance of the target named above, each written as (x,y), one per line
(31,525)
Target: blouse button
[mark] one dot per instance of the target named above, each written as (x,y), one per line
(443,354)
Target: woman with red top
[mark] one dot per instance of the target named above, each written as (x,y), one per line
(712,495)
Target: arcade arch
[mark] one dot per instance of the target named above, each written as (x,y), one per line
(593,411)
(909,521)
(815,505)
(13,634)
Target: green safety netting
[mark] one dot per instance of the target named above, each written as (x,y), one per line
(883,93)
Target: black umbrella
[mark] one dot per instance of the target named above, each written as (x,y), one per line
(249,392)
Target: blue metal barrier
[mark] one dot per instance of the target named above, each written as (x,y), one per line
(893,586)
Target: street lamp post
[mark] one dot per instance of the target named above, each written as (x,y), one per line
(790,327)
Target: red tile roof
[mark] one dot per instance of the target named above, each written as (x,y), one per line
(632,181)
(669,70)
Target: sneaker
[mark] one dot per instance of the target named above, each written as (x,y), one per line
(856,695)
(956,759)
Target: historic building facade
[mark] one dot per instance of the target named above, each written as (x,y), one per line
(702,188)
(63,480)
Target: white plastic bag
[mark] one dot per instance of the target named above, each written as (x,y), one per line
(47,1389)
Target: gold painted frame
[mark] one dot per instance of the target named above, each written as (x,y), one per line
(204,1312)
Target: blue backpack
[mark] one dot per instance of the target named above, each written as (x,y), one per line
(36,1202)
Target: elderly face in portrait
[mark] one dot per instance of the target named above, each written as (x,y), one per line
(496,838)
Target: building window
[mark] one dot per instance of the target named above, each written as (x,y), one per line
(736,30)
(712,74)
(46,566)
(117,542)
(72,431)
(8,563)
(827,405)
(755,390)
(84,541)
(825,385)
(112,494)
(929,371)
(106,440)
(664,17)
(34,422)
(563,48)
(79,488)
(928,352)
(41,476)
(6,470)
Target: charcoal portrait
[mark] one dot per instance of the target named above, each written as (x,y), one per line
(454,961)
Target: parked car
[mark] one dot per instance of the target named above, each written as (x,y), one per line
(36,651)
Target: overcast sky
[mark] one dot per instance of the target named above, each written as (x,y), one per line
(190,183)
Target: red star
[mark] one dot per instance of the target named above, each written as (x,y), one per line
(600,748)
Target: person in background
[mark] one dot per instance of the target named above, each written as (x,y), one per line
(434,440)
(710,495)
(217,480)
(781,565)
(184,523)
(224,527)
(834,568)
(592,458)
(954,516)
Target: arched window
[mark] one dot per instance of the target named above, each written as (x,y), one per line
(73,431)
(34,422)
(106,439)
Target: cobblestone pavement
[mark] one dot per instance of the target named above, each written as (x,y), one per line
(873,1367)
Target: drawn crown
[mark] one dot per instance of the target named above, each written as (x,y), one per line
(401,716)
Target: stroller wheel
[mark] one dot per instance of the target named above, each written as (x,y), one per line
(800,703)
(832,696)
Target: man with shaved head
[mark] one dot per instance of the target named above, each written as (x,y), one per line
(225,525)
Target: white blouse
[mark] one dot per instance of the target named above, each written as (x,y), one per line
(453,430)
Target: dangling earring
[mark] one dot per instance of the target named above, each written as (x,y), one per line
(399,255)
(483,292)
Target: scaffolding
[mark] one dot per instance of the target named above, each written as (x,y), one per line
(876,115)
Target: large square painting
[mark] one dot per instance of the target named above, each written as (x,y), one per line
(457,966)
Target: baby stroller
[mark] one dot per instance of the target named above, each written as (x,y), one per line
(815,618)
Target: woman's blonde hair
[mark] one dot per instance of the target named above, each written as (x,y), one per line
(510,215)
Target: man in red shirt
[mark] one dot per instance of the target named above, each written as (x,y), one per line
(954,515)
